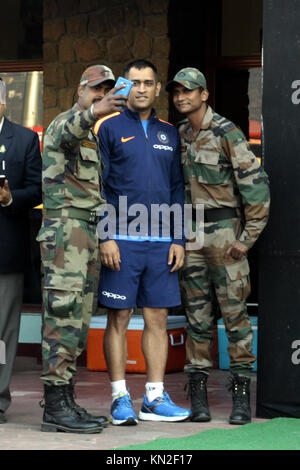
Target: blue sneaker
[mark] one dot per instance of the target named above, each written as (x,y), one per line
(162,409)
(121,412)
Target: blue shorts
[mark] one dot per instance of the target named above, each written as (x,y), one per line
(144,279)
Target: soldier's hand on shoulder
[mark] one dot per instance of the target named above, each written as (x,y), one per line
(236,250)
(110,103)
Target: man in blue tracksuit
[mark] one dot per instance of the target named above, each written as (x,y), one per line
(143,251)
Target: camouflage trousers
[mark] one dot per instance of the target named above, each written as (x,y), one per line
(70,268)
(207,276)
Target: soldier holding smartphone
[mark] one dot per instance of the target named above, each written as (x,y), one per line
(72,190)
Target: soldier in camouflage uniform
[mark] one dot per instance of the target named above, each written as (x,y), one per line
(223,175)
(69,246)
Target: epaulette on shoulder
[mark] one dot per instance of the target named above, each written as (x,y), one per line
(63,116)
(101,120)
(222,125)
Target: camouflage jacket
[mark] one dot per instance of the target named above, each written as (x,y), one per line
(72,162)
(221,171)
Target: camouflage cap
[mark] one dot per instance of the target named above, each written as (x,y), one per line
(96,74)
(2,92)
(188,77)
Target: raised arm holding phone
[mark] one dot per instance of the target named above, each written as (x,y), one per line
(72,193)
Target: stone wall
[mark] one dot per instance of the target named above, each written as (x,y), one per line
(79,33)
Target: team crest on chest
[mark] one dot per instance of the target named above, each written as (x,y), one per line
(162,137)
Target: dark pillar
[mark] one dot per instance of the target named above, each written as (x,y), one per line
(278,381)
(194,42)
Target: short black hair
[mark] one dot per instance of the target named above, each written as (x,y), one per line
(141,64)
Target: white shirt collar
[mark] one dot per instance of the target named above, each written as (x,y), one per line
(1,124)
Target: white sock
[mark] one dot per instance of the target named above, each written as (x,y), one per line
(154,390)
(118,388)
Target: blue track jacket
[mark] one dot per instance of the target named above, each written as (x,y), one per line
(145,168)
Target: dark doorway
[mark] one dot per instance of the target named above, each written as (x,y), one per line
(21,30)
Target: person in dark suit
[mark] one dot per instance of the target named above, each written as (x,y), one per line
(20,164)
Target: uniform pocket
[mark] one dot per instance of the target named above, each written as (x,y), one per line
(238,280)
(47,239)
(87,164)
(238,270)
(207,157)
(211,167)
(63,295)
(64,283)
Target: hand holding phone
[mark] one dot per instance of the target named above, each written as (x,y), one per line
(127,85)
(2,180)
(114,100)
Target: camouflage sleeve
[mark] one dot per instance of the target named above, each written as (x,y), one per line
(68,128)
(253,185)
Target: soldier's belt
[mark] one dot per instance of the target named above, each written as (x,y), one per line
(214,215)
(73,213)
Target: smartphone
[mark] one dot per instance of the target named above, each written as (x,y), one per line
(2,179)
(126,90)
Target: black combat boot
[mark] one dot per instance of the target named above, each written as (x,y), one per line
(85,416)
(59,416)
(241,411)
(198,393)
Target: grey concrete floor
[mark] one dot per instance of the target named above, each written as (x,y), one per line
(22,431)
